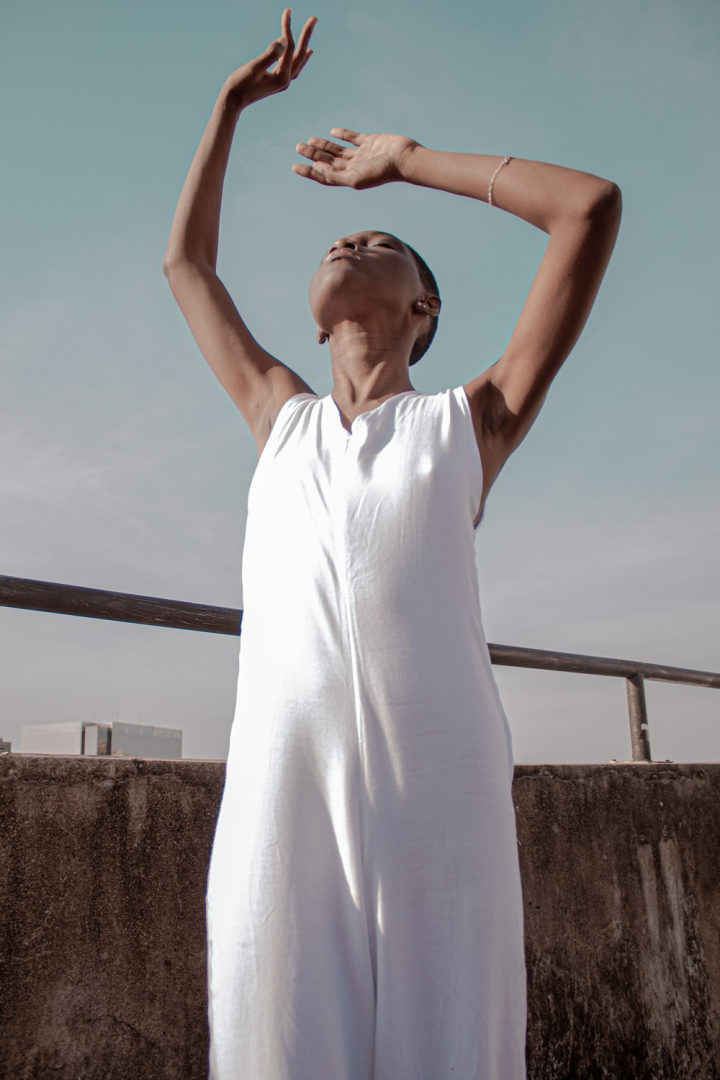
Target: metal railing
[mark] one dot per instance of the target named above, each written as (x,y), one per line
(153,611)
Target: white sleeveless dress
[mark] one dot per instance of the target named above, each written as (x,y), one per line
(364,902)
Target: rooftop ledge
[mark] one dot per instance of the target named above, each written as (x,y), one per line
(102,880)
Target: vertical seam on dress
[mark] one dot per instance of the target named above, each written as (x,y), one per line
(349,442)
(349,455)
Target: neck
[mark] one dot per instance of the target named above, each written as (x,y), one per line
(368,366)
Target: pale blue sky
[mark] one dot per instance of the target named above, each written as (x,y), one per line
(125,466)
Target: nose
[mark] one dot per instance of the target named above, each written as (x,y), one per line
(343,242)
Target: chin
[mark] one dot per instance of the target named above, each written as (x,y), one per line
(339,290)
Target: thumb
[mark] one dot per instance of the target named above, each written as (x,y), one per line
(271,53)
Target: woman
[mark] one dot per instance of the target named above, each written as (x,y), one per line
(364,902)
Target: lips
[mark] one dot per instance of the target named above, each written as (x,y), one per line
(345,254)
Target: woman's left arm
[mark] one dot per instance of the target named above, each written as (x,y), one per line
(581,213)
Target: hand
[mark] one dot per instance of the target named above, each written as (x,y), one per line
(371,161)
(253,81)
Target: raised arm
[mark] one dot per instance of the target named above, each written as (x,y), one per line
(258,383)
(581,213)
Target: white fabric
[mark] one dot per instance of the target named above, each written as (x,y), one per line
(364,904)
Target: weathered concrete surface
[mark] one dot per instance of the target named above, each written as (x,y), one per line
(621,879)
(102,952)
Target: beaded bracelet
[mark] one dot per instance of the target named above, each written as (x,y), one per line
(492,179)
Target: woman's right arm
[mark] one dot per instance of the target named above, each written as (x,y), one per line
(258,383)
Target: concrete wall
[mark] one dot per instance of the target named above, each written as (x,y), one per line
(102,957)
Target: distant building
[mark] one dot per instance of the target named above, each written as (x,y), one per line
(144,740)
(5,747)
(64,738)
(101,740)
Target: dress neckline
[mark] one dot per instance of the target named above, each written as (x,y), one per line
(366,412)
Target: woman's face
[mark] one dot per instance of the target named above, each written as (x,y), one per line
(365,274)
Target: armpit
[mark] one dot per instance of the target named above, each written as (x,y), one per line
(495,414)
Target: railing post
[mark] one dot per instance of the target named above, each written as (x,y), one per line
(637,708)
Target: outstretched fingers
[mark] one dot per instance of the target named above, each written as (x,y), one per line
(302,53)
(314,172)
(313,153)
(293,58)
(284,65)
(302,63)
(274,70)
(323,150)
(330,147)
(331,161)
(347,135)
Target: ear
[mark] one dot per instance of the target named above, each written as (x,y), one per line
(428,305)
(322,336)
